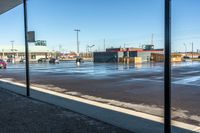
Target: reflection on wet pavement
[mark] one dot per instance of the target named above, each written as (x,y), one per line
(120,84)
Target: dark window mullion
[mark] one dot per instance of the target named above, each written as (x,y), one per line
(26,48)
(167,68)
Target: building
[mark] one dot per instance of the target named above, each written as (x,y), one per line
(18,52)
(175,57)
(119,54)
(107,57)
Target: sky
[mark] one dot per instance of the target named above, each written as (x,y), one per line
(119,22)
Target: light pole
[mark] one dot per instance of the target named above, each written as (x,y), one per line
(91,50)
(185,49)
(104,44)
(77,31)
(192,50)
(89,47)
(3,54)
(12,53)
(12,43)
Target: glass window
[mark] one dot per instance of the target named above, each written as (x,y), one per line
(185,56)
(12,50)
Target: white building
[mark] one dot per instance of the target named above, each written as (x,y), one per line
(17,52)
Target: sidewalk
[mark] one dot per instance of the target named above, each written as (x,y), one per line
(19,114)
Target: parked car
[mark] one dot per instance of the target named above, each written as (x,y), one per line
(3,64)
(79,59)
(9,60)
(54,61)
(22,61)
(186,57)
(42,60)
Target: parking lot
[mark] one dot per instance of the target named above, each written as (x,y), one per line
(138,87)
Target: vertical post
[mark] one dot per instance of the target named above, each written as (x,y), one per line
(104,44)
(26,49)
(185,49)
(77,43)
(77,30)
(152,39)
(167,69)
(12,43)
(12,51)
(192,50)
(3,54)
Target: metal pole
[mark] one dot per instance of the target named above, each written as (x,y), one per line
(167,69)
(104,44)
(77,43)
(12,43)
(77,30)
(152,39)
(12,51)
(26,49)
(185,49)
(192,50)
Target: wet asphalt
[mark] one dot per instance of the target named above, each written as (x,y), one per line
(140,84)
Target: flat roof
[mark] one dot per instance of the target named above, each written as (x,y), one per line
(6,5)
(21,48)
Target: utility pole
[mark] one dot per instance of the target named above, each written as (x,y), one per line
(104,44)
(12,43)
(60,48)
(185,49)
(12,49)
(192,51)
(152,39)
(77,31)
(3,53)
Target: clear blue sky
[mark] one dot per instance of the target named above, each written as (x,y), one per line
(118,21)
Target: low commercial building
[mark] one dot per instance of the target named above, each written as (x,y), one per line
(107,57)
(126,55)
(158,57)
(146,55)
(18,52)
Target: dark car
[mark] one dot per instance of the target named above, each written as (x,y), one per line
(79,59)
(3,64)
(186,57)
(54,61)
(9,60)
(22,60)
(42,60)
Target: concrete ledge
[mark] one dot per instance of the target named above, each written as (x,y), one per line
(132,120)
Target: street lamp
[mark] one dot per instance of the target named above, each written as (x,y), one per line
(89,47)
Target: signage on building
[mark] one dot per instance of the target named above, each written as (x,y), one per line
(41,43)
(31,36)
